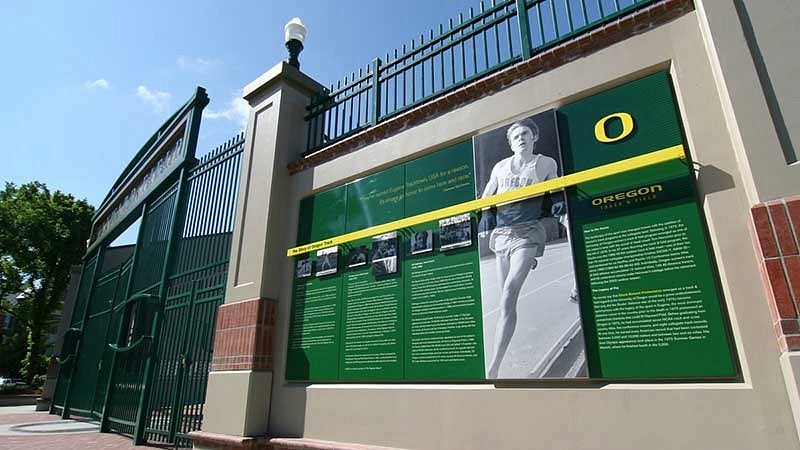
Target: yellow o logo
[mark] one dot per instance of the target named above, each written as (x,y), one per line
(600,127)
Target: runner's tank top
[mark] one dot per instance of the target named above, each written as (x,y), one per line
(539,169)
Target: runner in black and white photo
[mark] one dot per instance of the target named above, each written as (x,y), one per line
(519,237)
(515,235)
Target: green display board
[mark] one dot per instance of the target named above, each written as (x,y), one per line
(442,310)
(386,325)
(313,352)
(321,215)
(443,313)
(441,179)
(372,326)
(402,307)
(649,297)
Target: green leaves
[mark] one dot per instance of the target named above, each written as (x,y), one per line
(42,233)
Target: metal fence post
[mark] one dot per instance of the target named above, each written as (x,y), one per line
(524,29)
(376,91)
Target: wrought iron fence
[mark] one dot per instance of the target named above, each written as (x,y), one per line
(194,290)
(500,33)
(72,339)
(93,361)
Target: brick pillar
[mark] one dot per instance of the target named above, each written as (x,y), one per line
(243,339)
(776,228)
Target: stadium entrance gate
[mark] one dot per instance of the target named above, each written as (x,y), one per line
(138,351)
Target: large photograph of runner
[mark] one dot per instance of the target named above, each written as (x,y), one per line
(531,318)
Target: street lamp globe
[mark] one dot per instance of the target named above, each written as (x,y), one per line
(294,36)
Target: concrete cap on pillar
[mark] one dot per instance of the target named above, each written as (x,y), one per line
(281,72)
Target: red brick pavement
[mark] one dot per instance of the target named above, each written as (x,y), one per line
(62,441)
(72,441)
(10,419)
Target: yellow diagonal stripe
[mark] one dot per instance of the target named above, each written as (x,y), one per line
(637,162)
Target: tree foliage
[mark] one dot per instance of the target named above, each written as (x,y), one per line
(42,234)
(13,347)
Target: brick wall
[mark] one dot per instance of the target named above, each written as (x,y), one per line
(243,338)
(776,228)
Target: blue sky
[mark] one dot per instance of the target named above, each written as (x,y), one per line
(84,84)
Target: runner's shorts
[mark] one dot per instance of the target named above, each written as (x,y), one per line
(506,240)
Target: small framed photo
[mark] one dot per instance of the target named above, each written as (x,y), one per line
(384,266)
(422,242)
(302,268)
(327,261)
(384,254)
(455,232)
(358,256)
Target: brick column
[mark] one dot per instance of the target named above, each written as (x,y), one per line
(243,339)
(776,228)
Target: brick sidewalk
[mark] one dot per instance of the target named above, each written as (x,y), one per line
(11,419)
(61,441)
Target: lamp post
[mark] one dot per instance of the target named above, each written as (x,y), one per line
(294,34)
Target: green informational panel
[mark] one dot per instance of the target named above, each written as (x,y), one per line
(651,308)
(397,307)
(376,199)
(321,215)
(372,324)
(372,327)
(357,324)
(313,349)
(313,352)
(444,337)
(444,328)
(649,297)
(648,102)
(440,179)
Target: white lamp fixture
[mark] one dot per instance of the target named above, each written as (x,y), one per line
(294,36)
